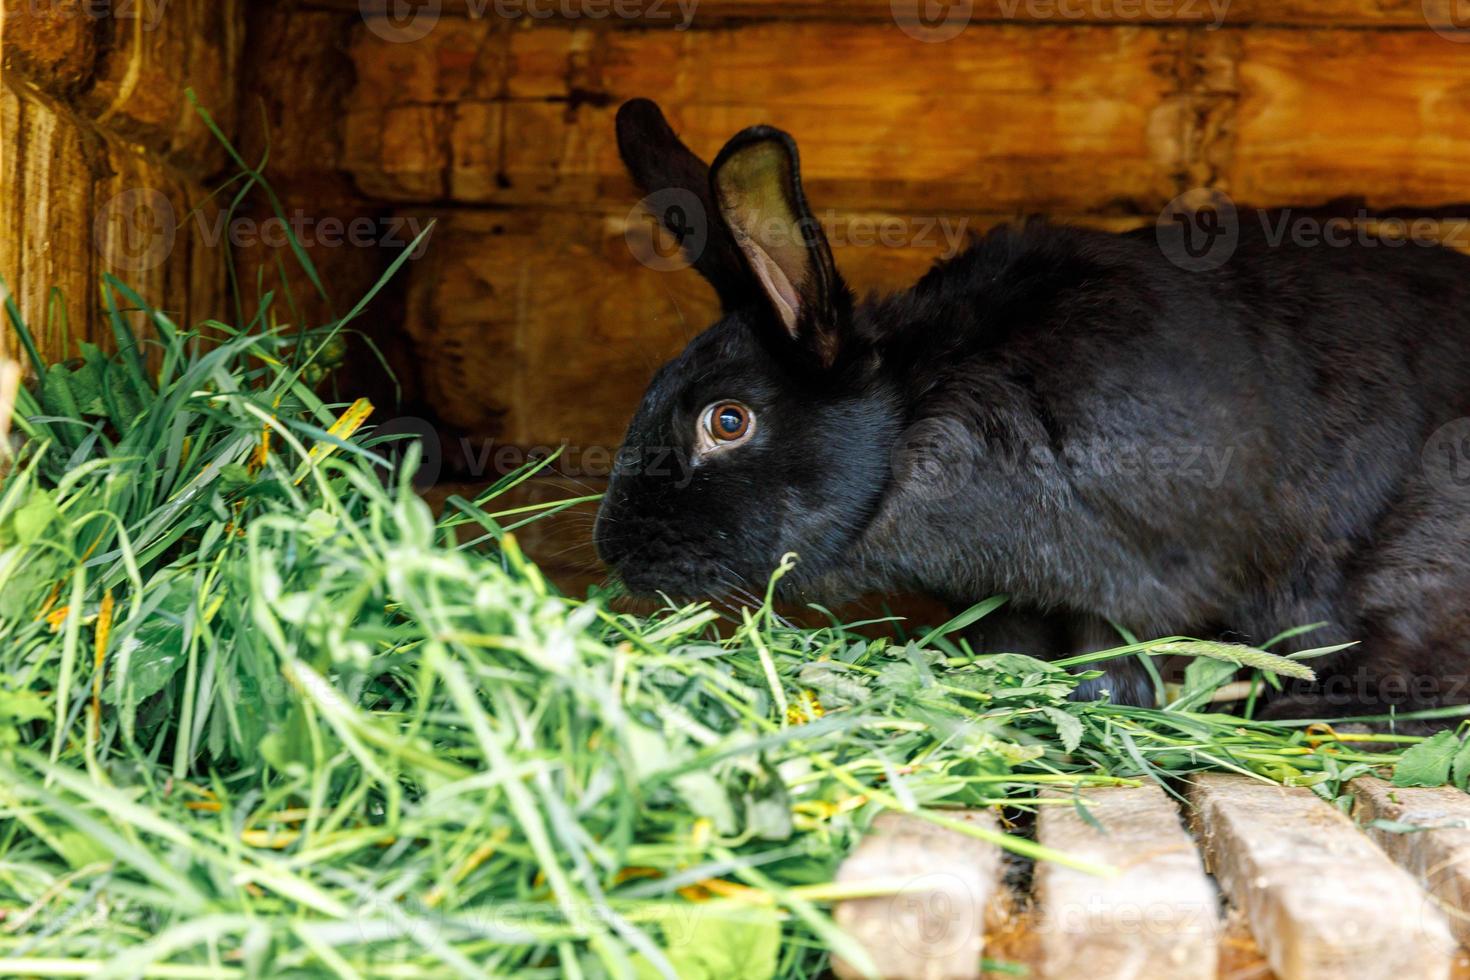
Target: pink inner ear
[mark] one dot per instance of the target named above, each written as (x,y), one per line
(783,294)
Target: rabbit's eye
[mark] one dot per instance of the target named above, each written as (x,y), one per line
(730,422)
(723,425)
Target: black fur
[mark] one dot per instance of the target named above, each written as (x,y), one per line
(1068,417)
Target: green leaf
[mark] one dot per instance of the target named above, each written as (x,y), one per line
(56,394)
(1460,768)
(154,652)
(835,687)
(1069,728)
(972,615)
(707,798)
(86,380)
(23,706)
(1428,763)
(34,517)
(720,944)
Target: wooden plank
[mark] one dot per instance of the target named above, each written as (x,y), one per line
(477,112)
(85,203)
(1439,857)
(46,213)
(296,80)
(1158,919)
(930,925)
(1001,117)
(1323,901)
(125,67)
(1404,142)
(48,45)
(654,13)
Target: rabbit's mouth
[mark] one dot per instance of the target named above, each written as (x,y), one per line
(653,572)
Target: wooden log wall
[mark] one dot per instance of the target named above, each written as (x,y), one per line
(503,129)
(529,321)
(101,157)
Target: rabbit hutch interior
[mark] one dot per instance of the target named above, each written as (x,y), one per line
(1062,396)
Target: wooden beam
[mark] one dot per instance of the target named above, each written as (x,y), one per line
(1158,919)
(936,883)
(1437,852)
(1069,119)
(80,202)
(1323,114)
(124,67)
(1322,900)
(653,13)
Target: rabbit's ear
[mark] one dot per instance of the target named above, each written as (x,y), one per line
(757,185)
(678,187)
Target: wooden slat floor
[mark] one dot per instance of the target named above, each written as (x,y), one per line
(1304,891)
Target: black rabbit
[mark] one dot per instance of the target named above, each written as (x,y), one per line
(1072,418)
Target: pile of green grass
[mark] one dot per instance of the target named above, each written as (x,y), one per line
(262,714)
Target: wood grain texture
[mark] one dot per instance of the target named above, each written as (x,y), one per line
(294,84)
(104,156)
(49,45)
(81,203)
(1001,117)
(1321,114)
(929,923)
(126,68)
(46,214)
(1323,901)
(1157,920)
(1362,13)
(1437,853)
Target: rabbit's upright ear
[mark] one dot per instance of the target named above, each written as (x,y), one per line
(757,185)
(678,187)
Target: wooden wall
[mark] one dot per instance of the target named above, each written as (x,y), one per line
(530,322)
(504,130)
(100,158)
